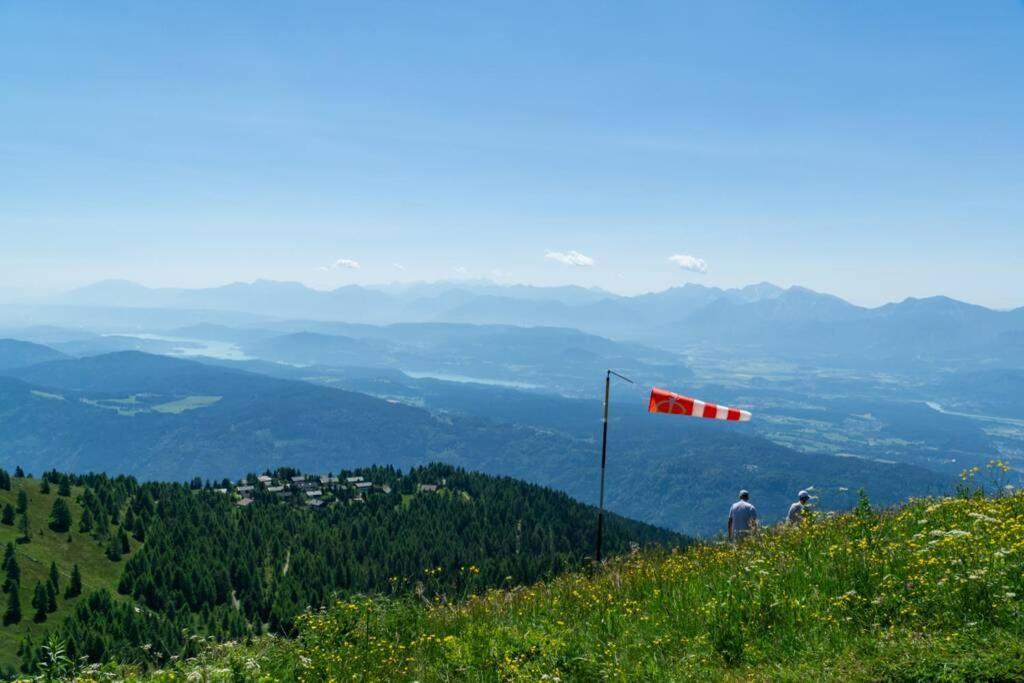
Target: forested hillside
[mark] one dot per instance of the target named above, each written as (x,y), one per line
(163,562)
(18,354)
(52,543)
(171,419)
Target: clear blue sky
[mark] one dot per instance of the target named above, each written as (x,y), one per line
(870,149)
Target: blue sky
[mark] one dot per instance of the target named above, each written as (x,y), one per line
(870,149)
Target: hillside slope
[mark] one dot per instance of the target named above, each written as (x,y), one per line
(171,419)
(18,354)
(66,550)
(233,561)
(933,592)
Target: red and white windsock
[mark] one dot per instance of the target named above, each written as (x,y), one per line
(674,404)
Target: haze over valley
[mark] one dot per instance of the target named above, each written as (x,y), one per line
(270,374)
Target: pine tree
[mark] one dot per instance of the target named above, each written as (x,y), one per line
(64,488)
(51,597)
(28,653)
(102,524)
(39,602)
(8,515)
(12,571)
(54,577)
(13,613)
(75,584)
(139,532)
(22,501)
(60,515)
(5,480)
(122,538)
(19,473)
(114,549)
(85,523)
(23,528)
(44,487)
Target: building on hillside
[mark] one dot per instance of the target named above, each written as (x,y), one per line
(327,479)
(364,485)
(220,490)
(264,479)
(275,489)
(316,503)
(244,502)
(244,489)
(298,478)
(427,488)
(353,480)
(315,493)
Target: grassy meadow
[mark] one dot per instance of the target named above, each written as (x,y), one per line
(34,558)
(933,591)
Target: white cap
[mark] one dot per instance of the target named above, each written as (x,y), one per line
(803,494)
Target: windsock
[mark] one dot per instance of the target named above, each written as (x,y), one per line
(674,404)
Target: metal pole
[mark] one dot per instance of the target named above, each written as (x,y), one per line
(604,459)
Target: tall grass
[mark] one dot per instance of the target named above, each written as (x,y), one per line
(933,591)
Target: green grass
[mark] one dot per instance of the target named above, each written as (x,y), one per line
(932,592)
(187,403)
(34,560)
(127,407)
(132,405)
(46,394)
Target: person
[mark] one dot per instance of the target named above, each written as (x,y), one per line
(742,517)
(798,510)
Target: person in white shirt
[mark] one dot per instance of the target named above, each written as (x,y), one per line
(798,510)
(742,517)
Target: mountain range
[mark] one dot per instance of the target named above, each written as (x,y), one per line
(762,319)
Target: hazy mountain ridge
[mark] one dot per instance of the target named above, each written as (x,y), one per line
(762,318)
(17,354)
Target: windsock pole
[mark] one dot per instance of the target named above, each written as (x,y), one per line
(604,460)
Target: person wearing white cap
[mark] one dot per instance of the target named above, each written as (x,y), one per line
(798,510)
(742,517)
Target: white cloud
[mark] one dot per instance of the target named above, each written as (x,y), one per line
(398,266)
(461,270)
(570,258)
(342,263)
(691,263)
